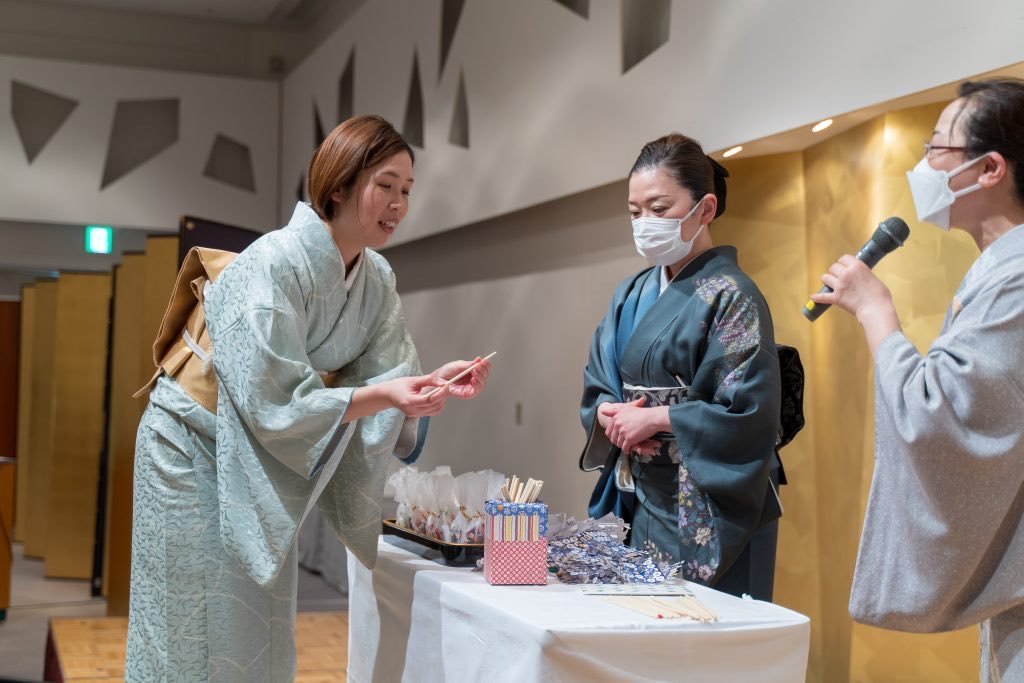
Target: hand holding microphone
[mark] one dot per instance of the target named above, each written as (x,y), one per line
(890,234)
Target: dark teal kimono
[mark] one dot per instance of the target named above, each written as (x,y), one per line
(711,332)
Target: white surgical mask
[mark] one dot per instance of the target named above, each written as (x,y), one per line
(658,239)
(931,192)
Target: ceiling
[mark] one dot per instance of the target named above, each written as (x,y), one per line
(252,12)
(802,138)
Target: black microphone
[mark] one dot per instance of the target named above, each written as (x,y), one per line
(890,234)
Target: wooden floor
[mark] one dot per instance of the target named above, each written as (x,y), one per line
(92,650)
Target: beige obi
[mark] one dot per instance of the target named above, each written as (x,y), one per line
(183,350)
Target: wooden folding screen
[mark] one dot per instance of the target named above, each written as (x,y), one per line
(141,296)
(25,348)
(123,419)
(80,368)
(40,340)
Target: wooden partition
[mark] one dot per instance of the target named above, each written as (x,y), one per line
(123,419)
(80,355)
(25,348)
(40,428)
(10,321)
(143,288)
(161,264)
(9,338)
(6,531)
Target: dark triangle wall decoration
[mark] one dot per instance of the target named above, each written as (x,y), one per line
(230,162)
(412,125)
(142,129)
(451,11)
(38,115)
(458,134)
(644,29)
(318,127)
(346,89)
(580,7)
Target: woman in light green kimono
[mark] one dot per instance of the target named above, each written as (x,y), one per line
(219,497)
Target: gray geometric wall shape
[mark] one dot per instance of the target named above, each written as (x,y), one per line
(412,125)
(318,127)
(347,89)
(458,134)
(230,162)
(142,129)
(580,7)
(644,29)
(37,115)
(451,10)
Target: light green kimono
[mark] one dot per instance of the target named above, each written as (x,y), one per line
(219,498)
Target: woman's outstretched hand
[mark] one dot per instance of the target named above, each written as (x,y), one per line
(409,394)
(466,387)
(420,396)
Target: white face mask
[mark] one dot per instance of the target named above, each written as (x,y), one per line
(658,239)
(932,194)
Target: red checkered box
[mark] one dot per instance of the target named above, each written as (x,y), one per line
(509,563)
(515,543)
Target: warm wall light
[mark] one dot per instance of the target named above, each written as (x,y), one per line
(732,152)
(821,125)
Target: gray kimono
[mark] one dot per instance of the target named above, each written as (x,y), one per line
(943,540)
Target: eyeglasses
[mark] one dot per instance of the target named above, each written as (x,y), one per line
(929,148)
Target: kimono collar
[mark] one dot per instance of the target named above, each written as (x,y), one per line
(324,258)
(715,257)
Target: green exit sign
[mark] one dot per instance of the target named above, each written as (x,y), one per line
(99,239)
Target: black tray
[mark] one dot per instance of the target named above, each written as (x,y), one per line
(455,553)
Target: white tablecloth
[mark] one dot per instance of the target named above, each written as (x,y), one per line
(412,619)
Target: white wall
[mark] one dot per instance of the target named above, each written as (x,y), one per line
(550,113)
(532,286)
(62,184)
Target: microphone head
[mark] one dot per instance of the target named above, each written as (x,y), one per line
(891,233)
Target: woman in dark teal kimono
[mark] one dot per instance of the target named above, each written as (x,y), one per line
(682,390)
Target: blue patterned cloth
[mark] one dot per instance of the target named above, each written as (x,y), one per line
(219,498)
(497,508)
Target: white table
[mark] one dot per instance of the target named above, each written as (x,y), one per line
(412,619)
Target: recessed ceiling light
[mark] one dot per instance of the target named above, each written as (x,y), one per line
(732,152)
(821,125)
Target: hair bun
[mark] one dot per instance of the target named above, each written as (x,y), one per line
(718,169)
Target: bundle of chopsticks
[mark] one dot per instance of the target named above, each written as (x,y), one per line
(665,606)
(515,491)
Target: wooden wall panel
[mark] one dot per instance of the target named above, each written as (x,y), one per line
(139,304)
(80,354)
(28,300)
(40,418)
(125,379)
(10,322)
(6,530)
(161,268)
(10,318)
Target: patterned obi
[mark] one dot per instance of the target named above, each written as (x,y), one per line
(701,552)
(668,451)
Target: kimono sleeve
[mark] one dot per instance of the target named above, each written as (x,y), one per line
(942,540)
(351,499)
(728,428)
(262,365)
(601,383)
